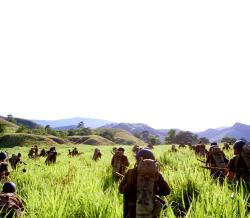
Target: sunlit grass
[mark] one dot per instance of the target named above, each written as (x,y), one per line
(81,187)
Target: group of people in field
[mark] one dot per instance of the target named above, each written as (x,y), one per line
(10,204)
(142,185)
(237,168)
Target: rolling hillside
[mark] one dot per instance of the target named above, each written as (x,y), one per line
(123,137)
(23,139)
(90,140)
(7,123)
(139,128)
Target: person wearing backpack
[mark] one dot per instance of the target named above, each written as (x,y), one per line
(216,158)
(97,154)
(239,165)
(140,187)
(200,149)
(226,147)
(10,205)
(15,160)
(51,158)
(4,169)
(119,163)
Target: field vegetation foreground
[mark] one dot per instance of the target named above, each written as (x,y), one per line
(81,187)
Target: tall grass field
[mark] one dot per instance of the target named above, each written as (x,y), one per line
(81,187)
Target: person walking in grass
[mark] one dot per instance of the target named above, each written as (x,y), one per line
(51,157)
(119,163)
(239,165)
(4,171)
(97,154)
(10,205)
(15,160)
(217,161)
(140,187)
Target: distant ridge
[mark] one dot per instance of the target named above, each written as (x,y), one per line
(238,131)
(65,124)
(139,128)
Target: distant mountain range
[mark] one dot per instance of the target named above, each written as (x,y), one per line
(238,130)
(66,124)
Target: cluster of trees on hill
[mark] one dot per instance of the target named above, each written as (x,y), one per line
(148,138)
(183,137)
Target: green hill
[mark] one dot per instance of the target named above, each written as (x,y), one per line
(28,123)
(123,137)
(10,127)
(57,139)
(7,123)
(90,140)
(23,139)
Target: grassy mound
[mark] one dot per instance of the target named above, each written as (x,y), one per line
(7,123)
(78,139)
(57,140)
(23,139)
(124,138)
(90,140)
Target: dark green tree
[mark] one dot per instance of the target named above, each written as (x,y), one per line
(107,134)
(22,129)
(153,140)
(171,137)
(204,140)
(185,137)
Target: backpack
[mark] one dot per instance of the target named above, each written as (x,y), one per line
(14,160)
(97,154)
(8,205)
(147,175)
(51,157)
(3,169)
(117,162)
(218,157)
(246,155)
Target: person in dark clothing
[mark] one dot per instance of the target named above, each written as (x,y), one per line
(200,149)
(15,160)
(129,186)
(51,158)
(36,150)
(31,153)
(97,154)
(237,168)
(42,153)
(10,205)
(4,171)
(216,158)
(119,163)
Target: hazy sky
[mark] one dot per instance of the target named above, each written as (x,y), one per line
(182,64)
